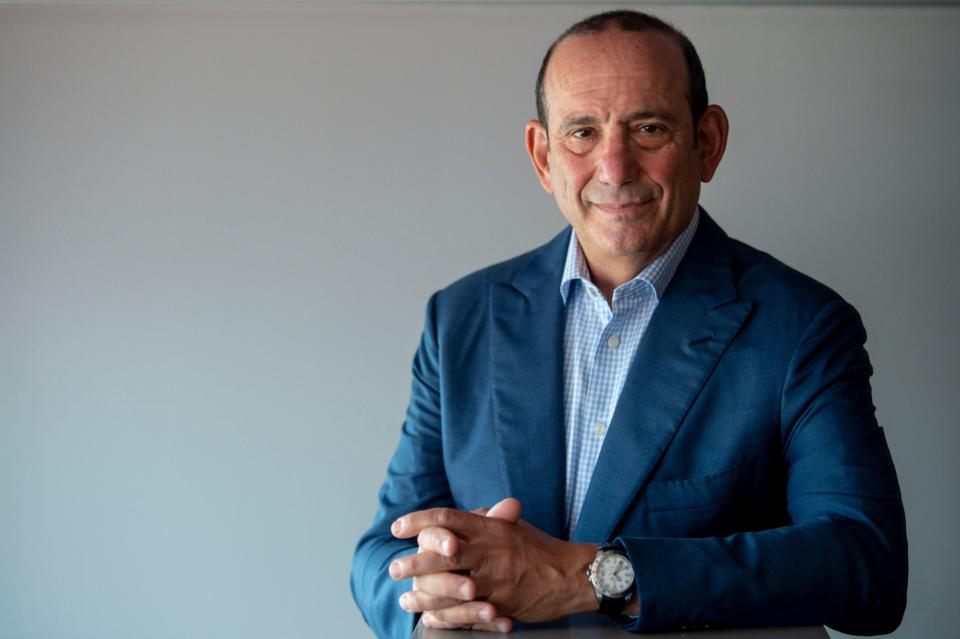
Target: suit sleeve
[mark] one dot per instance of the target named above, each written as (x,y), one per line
(843,560)
(415,480)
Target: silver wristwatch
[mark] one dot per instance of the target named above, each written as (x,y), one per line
(611,575)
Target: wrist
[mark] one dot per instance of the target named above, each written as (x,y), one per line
(583,597)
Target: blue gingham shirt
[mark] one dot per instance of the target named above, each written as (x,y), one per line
(599,343)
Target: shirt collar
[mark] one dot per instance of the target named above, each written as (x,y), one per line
(657,274)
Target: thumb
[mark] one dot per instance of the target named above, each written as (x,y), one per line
(508,509)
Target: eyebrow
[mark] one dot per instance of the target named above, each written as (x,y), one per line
(580,120)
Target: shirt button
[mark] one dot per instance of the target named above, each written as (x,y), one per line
(599,427)
(613,341)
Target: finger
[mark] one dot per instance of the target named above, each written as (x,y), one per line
(446,584)
(422,563)
(467,614)
(477,615)
(508,509)
(417,601)
(500,624)
(431,621)
(439,540)
(459,522)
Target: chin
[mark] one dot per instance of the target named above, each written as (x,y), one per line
(626,244)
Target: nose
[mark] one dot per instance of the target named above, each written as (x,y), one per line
(617,162)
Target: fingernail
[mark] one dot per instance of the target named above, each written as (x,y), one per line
(395,569)
(486,615)
(445,547)
(503,626)
(465,591)
(397,527)
(403,601)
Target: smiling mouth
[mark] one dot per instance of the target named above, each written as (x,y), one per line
(622,208)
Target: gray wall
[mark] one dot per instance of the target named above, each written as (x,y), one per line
(219,224)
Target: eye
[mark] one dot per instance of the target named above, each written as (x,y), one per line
(582,139)
(650,129)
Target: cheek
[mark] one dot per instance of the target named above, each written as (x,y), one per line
(569,178)
(676,173)
(664,170)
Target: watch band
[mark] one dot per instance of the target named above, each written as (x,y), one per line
(613,606)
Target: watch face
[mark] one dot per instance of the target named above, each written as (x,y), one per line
(614,574)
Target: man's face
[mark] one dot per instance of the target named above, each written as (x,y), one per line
(621,157)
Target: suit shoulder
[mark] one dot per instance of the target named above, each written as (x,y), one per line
(474,287)
(764,278)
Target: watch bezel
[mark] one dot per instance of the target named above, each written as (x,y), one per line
(603,555)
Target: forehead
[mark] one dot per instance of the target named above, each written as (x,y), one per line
(616,70)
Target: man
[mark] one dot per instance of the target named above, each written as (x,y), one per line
(685,423)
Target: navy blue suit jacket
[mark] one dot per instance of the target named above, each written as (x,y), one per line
(743,470)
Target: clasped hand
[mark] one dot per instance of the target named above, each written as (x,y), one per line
(483,569)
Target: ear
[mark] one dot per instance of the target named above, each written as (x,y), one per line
(712,140)
(538,148)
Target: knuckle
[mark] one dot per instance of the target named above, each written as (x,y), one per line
(445,516)
(456,589)
(432,539)
(449,560)
(466,589)
(423,538)
(451,563)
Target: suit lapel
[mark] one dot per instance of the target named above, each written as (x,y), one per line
(527,376)
(690,329)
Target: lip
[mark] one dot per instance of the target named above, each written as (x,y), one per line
(618,208)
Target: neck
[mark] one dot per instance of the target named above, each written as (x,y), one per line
(609,270)
(608,274)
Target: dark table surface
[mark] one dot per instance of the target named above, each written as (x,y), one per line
(596,627)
